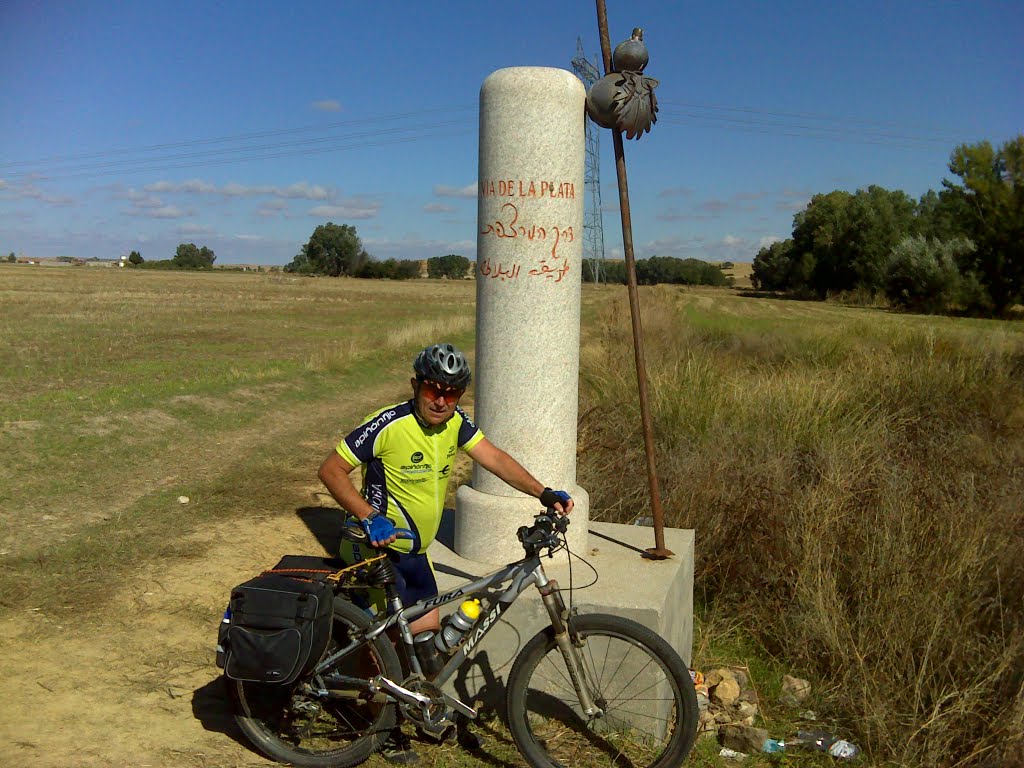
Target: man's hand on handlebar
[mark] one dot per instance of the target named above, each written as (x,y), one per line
(560,501)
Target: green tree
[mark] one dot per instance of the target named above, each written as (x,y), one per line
(819,235)
(774,265)
(11,258)
(878,220)
(190,256)
(922,273)
(333,249)
(990,200)
(135,258)
(452,266)
(408,270)
(845,239)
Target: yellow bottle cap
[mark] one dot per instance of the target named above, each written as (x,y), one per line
(471,608)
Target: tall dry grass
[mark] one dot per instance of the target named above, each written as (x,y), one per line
(855,481)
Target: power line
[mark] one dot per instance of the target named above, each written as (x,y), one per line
(154,157)
(362,122)
(215,154)
(205,163)
(941,134)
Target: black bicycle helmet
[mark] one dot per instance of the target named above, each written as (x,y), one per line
(444,364)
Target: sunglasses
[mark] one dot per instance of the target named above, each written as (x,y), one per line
(432,391)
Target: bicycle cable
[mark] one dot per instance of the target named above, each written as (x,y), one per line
(571,555)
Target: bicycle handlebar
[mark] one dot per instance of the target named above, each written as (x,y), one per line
(547,531)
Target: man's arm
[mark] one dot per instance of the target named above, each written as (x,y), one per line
(500,464)
(334,475)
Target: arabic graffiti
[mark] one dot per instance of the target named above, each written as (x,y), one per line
(496,270)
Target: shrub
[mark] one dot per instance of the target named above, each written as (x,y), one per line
(855,489)
(922,274)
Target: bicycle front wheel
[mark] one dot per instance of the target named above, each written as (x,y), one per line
(293,726)
(648,707)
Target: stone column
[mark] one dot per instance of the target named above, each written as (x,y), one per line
(529,259)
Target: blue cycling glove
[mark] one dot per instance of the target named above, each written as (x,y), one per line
(549,498)
(379,529)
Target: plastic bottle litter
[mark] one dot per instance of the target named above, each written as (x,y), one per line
(819,741)
(771,746)
(823,741)
(844,750)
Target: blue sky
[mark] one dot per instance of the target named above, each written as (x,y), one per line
(242,126)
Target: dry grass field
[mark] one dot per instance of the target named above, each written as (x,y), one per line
(852,473)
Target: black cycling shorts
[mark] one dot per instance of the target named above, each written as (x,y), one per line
(415,576)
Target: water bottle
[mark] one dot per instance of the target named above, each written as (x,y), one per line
(457,625)
(844,750)
(772,746)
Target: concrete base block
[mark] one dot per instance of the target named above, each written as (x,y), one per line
(657,594)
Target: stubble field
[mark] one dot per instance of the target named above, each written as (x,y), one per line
(813,447)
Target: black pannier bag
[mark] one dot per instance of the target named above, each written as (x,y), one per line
(277,628)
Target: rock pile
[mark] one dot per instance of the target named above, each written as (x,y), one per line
(729,706)
(725,698)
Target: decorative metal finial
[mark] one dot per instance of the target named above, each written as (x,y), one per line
(624,99)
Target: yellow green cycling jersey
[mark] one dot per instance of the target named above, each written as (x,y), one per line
(406,466)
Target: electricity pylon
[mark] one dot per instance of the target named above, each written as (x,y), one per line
(593,222)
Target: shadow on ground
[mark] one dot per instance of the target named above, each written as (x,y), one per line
(211,707)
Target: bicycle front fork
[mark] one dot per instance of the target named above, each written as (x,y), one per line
(559,616)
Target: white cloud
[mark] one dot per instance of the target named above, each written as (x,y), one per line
(767,240)
(327,105)
(715,206)
(192,186)
(30,191)
(468,192)
(731,240)
(438,208)
(353,209)
(193,229)
(304,191)
(161,212)
(675,192)
(301,190)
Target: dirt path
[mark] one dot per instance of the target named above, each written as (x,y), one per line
(139,685)
(136,684)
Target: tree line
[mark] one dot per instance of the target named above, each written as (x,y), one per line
(335,250)
(186,256)
(959,249)
(657,270)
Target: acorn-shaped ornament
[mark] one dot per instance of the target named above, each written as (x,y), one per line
(631,56)
(601,99)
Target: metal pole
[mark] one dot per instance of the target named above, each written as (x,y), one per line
(658,551)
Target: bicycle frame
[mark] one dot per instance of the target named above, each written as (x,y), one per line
(522,574)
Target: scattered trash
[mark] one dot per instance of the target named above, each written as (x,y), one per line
(183,499)
(810,714)
(772,746)
(731,754)
(823,741)
(844,750)
(644,521)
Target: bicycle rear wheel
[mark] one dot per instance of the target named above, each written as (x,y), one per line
(298,728)
(641,685)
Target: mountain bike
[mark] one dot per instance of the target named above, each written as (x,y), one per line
(590,689)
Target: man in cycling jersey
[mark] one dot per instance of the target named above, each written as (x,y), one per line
(406,452)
